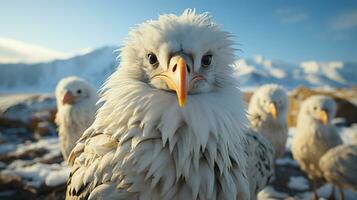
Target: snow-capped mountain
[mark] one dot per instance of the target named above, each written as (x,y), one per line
(258,71)
(94,66)
(98,64)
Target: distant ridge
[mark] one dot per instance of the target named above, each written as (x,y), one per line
(94,66)
(259,71)
(98,64)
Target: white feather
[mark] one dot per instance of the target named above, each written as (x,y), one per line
(313,139)
(275,130)
(74,119)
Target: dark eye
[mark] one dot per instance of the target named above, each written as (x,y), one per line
(206,60)
(79,91)
(315,108)
(152,59)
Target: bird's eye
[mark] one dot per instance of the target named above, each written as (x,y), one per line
(79,91)
(152,59)
(315,108)
(206,60)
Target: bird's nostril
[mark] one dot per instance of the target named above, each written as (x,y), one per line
(174,68)
(188,68)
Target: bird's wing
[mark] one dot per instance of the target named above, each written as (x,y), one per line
(340,165)
(310,143)
(260,155)
(91,164)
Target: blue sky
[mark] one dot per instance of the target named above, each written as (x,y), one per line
(288,30)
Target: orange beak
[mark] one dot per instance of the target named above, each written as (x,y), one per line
(324,117)
(273,110)
(181,89)
(176,79)
(68,98)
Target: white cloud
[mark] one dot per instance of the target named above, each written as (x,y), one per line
(14,51)
(289,16)
(345,21)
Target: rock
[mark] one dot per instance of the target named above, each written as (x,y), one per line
(44,128)
(24,107)
(12,123)
(25,155)
(33,112)
(15,135)
(12,187)
(57,193)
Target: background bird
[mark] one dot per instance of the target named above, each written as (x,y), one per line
(267,112)
(172,124)
(315,135)
(76,107)
(339,167)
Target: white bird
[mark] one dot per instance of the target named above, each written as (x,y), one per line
(76,107)
(172,124)
(315,135)
(339,167)
(267,112)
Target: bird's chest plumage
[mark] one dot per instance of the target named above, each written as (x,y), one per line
(153,149)
(310,144)
(165,172)
(73,121)
(275,132)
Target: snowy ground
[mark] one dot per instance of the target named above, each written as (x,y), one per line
(38,171)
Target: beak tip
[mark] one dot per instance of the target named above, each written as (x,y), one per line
(273,110)
(324,117)
(182,103)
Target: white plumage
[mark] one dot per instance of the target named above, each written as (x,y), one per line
(267,112)
(76,107)
(354,138)
(149,143)
(339,167)
(315,134)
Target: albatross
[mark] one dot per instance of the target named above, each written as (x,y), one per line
(315,135)
(267,112)
(76,107)
(172,124)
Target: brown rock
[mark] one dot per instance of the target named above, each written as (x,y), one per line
(12,187)
(25,155)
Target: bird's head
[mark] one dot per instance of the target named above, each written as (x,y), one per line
(186,54)
(175,79)
(72,90)
(273,99)
(320,108)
